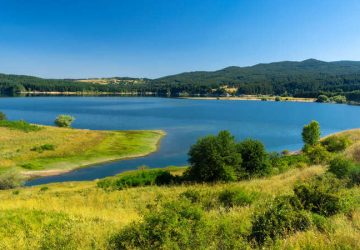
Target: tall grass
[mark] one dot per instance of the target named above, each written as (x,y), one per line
(87,216)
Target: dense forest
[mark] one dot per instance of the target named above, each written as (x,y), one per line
(309,78)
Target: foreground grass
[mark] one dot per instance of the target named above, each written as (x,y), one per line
(79,215)
(52,150)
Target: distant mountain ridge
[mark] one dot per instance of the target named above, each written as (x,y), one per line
(308,78)
(262,71)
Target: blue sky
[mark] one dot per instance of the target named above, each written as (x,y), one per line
(152,38)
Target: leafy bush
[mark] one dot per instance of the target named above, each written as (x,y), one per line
(43,189)
(192,195)
(311,133)
(254,157)
(345,169)
(20,125)
(236,197)
(282,163)
(340,166)
(64,121)
(137,179)
(322,98)
(2,116)
(321,222)
(354,175)
(320,195)
(282,217)
(335,143)
(32,166)
(178,225)
(317,154)
(338,99)
(277,98)
(285,152)
(9,180)
(42,148)
(214,158)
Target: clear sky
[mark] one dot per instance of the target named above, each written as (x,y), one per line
(152,38)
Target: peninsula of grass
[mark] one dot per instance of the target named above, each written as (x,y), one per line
(36,150)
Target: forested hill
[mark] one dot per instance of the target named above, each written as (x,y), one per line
(286,71)
(297,78)
(308,78)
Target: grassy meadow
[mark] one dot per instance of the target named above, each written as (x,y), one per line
(50,150)
(84,215)
(79,215)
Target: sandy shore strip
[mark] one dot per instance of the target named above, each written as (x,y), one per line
(254,98)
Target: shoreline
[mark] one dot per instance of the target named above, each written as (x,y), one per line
(35,174)
(253,98)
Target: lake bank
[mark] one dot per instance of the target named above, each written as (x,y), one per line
(152,94)
(52,151)
(254,98)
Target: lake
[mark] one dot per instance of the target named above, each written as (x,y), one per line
(277,124)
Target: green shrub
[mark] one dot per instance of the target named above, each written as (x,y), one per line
(2,116)
(20,125)
(192,195)
(343,168)
(354,175)
(236,197)
(282,163)
(285,152)
(42,148)
(320,195)
(340,167)
(137,179)
(255,160)
(32,166)
(317,154)
(9,180)
(277,98)
(281,218)
(311,133)
(178,225)
(214,158)
(43,189)
(321,222)
(64,121)
(322,98)
(338,99)
(229,236)
(335,143)
(16,192)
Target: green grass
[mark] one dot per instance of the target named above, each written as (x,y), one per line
(50,150)
(20,125)
(80,215)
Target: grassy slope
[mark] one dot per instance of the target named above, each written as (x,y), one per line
(73,148)
(79,215)
(90,214)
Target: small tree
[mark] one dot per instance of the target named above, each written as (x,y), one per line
(323,98)
(64,121)
(2,116)
(311,133)
(214,158)
(254,156)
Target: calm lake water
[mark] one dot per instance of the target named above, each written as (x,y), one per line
(277,124)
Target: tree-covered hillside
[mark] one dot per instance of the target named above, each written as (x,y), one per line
(306,78)
(309,78)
